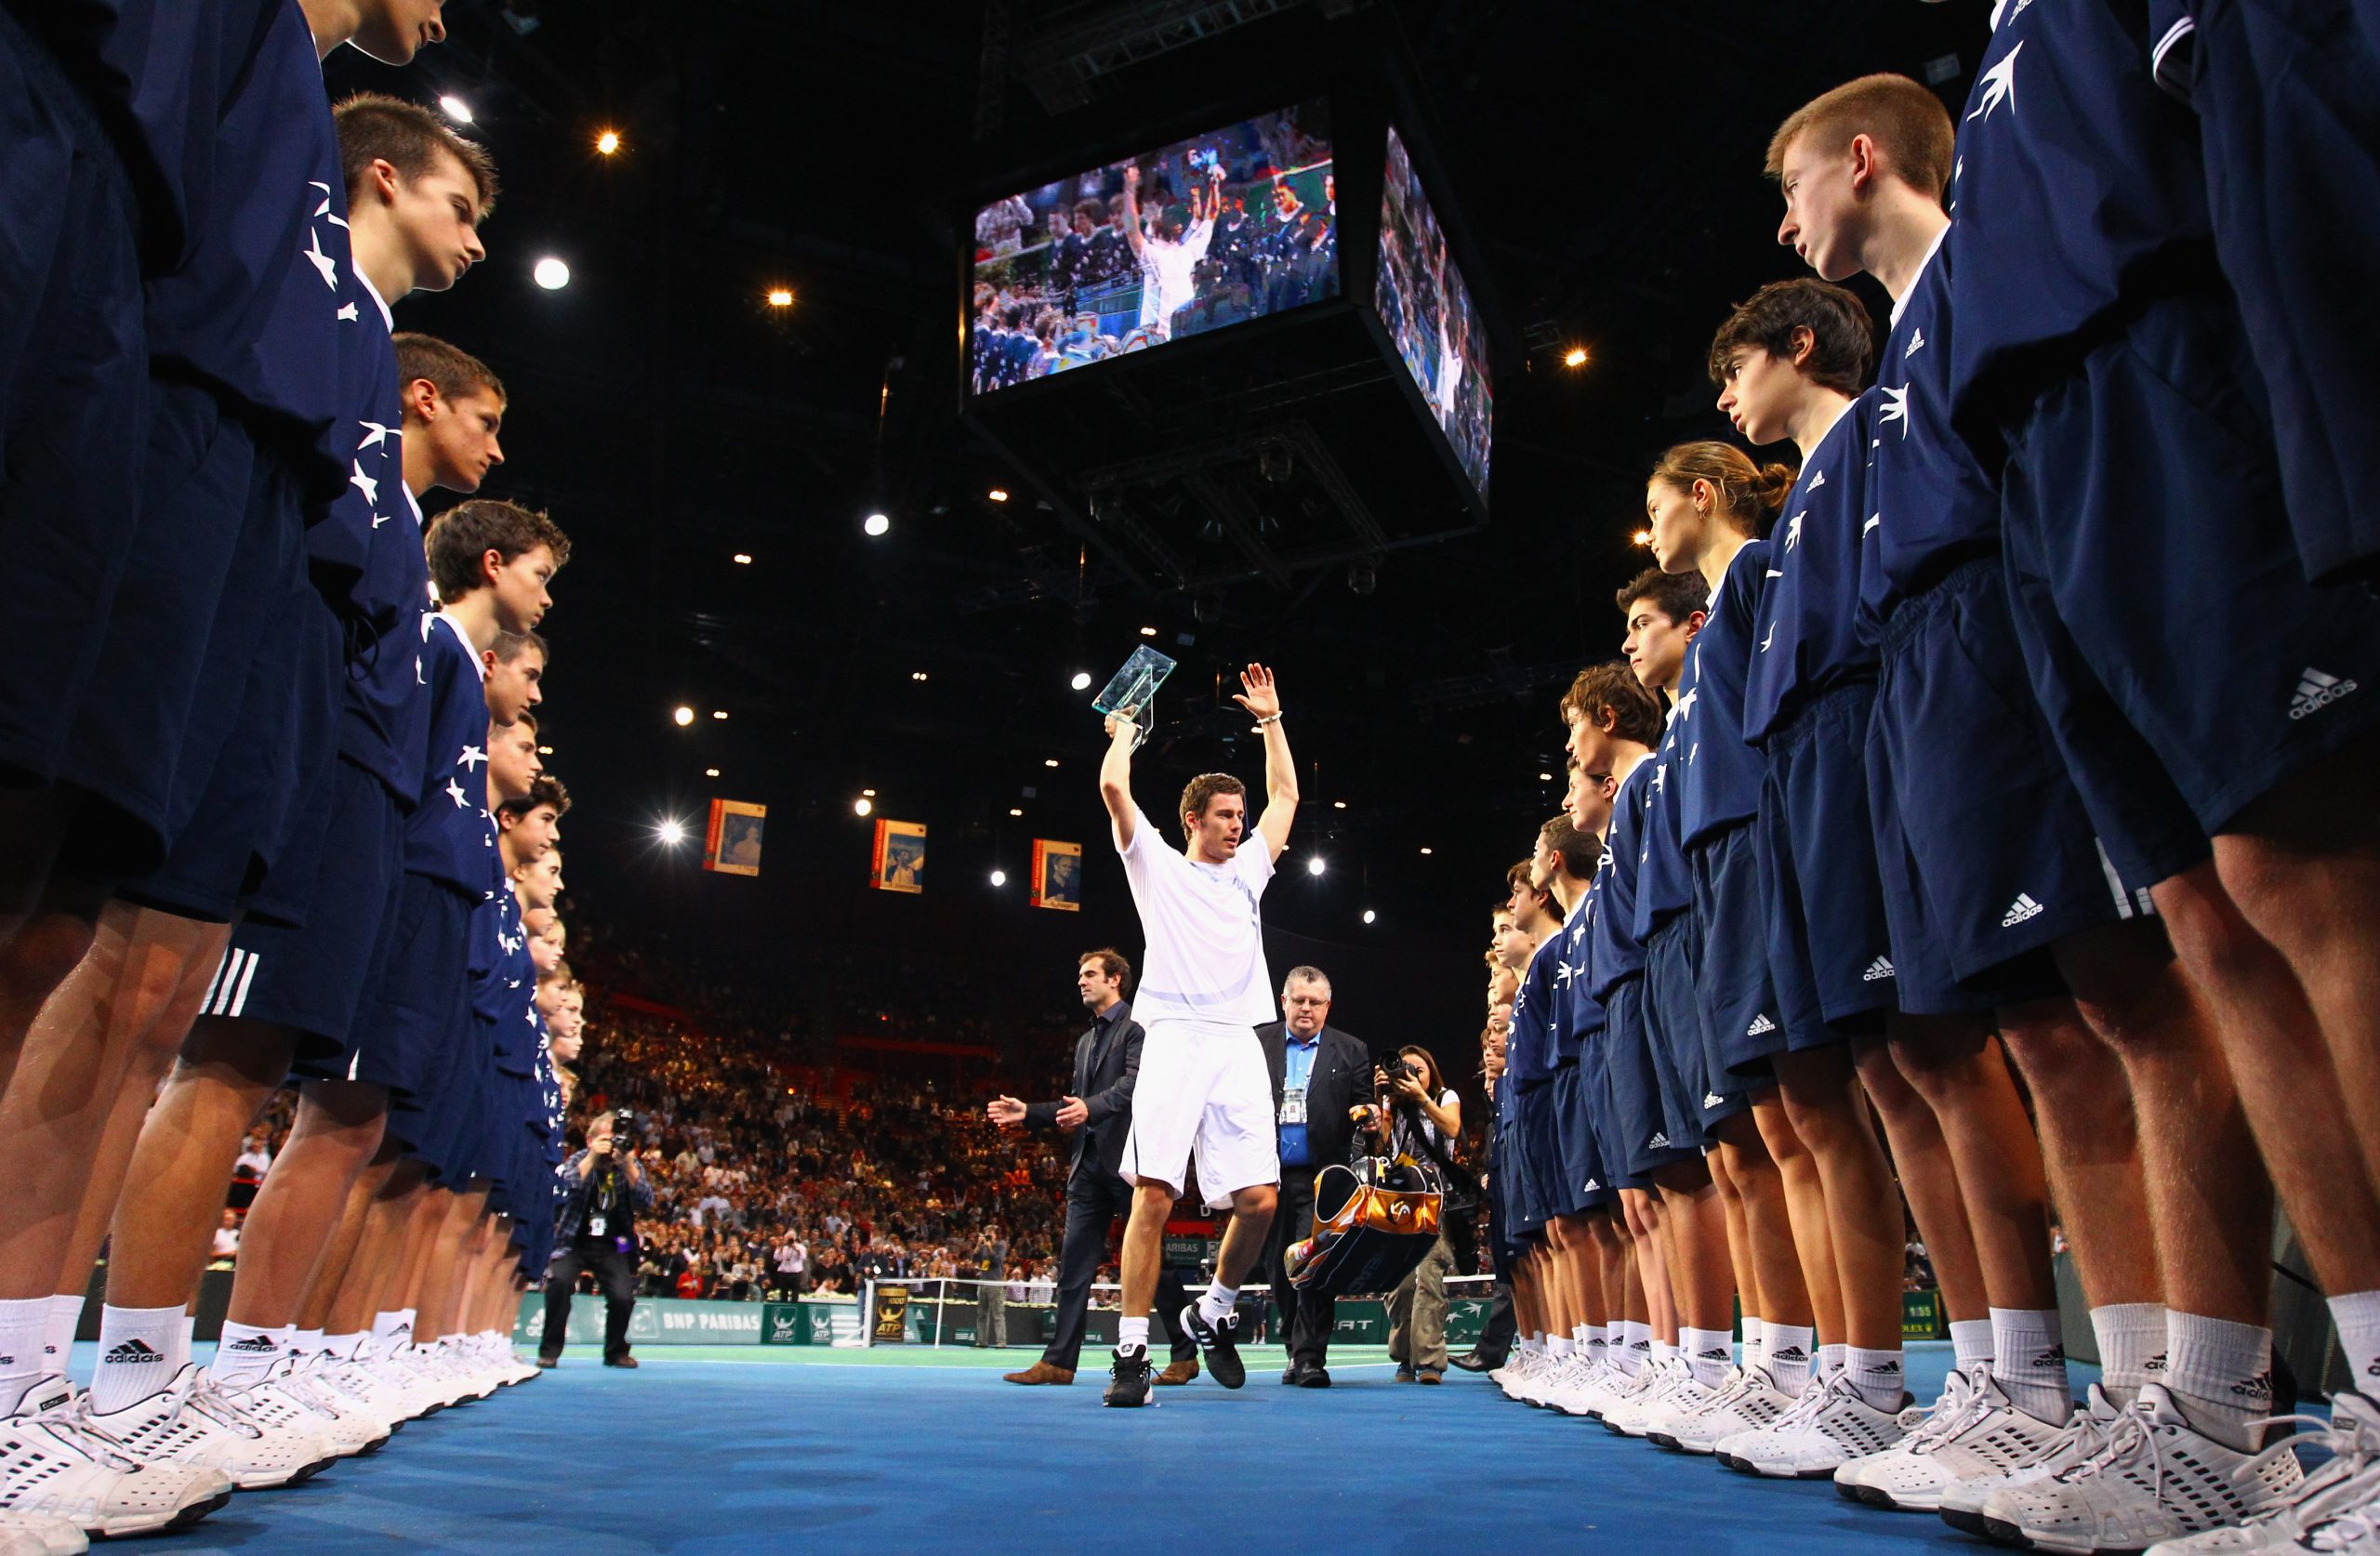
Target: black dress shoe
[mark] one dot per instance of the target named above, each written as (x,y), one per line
(1313,1378)
(1472,1361)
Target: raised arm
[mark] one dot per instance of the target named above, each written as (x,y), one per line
(1263,700)
(1116,774)
(1132,205)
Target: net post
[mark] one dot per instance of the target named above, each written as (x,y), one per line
(867,1314)
(941,1310)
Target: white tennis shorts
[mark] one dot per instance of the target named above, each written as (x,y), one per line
(1202,1085)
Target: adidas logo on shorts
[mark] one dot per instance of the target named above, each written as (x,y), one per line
(1712,1100)
(2024,907)
(2316,692)
(1661,1141)
(1878,971)
(134,1353)
(1760,1023)
(1592,1185)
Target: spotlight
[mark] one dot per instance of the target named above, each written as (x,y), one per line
(998,494)
(742,558)
(608,143)
(1643,538)
(1370,916)
(1315,866)
(1338,804)
(870,793)
(862,806)
(682,717)
(1081,681)
(999,877)
(671,833)
(780,297)
(1575,357)
(1014,811)
(545,750)
(710,773)
(917,675)
(877,523)
(1148,631)
(551,273)
(1425,850)
(1051,762)
(1545,777)
(718,713)
(456,109)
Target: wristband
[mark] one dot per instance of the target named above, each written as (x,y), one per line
(1269,718)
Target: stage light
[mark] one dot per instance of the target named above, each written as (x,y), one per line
(1315,866)
(1338,804)
(1081,681)
(718,713)
(1425,850)
(1643,538)
(998,494)
(710,773)
(456,109)
(1575,357)
(671,833)
(999,877)
(608,143)
(917,675)
(877,523)
(742,558)
(862,806)
(545,750)
(683,717)
(870,793)
(1014,811)
(1051,762)
(551,273)
(1545,777)
(780,297)
(1148,631)
(1370,916)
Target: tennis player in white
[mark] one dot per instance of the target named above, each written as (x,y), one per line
(1204,991)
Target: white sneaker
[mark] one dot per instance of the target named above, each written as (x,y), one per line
(2083,1435)
(2155,1479)
(1972,1429)
(1827,1428)
(284,1398)
(54,1466)
(41,1534)
(2324,1504)
(194,1422)
(1587,1392)
(1749,1403)
(370,1380)
(1673,1386)
(1663,1425)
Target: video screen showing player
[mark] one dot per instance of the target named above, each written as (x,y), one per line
(1225,227)
(1429,314)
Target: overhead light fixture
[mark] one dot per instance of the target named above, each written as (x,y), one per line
(1425,850)
(742,558)
(1148,631)
(780,297)
(1338,804)
(917,675)
(550,273)
(1370,916)
(1051,762)
(870,793)
(710,773)
(1575,357)
(877,523)
(1081,681)
(1014,811)
(1315,866)
(999,877)
(862,806)
(1643,538)
(456,109)
(608,143)
(718,713)
(671,832)
(1545,777)
(998,494)
(681,716)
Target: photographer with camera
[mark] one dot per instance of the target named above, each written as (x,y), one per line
(1414,1113)
(603,1189)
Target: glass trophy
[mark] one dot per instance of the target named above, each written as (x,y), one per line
(1135,686)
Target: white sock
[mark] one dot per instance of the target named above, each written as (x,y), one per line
(136,1351)
(1216,1305)
(344,1347)
(394,1327)
(58,1337)
(1664,1352)
(22,1360)
(2221,1371)
(1132,1334)
(1971,1343)
(305,1342)
(1635,1346)
(1598,1343)
(1579,1335)
(1708,1352)
(1752,1327)
(1832,1359)
(185,1336)
(2357,1316)
(1559,1345)
(246,1354)
(2029,1349)
(1789,1349)
(1877,1375)
(2131,1348)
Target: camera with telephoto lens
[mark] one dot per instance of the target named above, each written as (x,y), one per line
(622,1124)
(1397,1067)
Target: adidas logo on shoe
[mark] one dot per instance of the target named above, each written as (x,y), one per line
(1760,1023)
(2317,692)
(1661,1141)
(134,1353)
(1878,971)
(2024,907)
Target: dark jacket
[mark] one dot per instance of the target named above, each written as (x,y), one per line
(1103,1076)
(1342,1077)
(579,1194)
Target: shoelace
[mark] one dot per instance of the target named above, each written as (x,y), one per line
(2354,1448)
(72,1422)
(2344,1533)
(2082,1436)
(1961,1405)
(2131,1438)
(206,1396)
(1812,1402)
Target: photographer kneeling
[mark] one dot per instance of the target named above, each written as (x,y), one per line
(595,1232)
(1414,1113)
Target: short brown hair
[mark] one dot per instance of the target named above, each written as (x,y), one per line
(1907,122)
(544,789)
(374,127)
(510,646)
(1842,338)
(467,532)
(450,370)
(1636,713)
(1675,595)
(1750,495)
(1111,962)
(1202,789)
(1579,852)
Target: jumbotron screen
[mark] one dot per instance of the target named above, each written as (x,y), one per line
(1208,232)
(1429,314)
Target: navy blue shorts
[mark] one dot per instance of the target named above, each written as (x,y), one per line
(1674,1029)
(413,1017)
(1585,1182)
(1830,953)
(73,398)
(1535,1158)
(1987,854)
(1657,1121)
(449,1126)
(260,727)
(2284,91)
(2154,581)
(1733,992)
(313,978)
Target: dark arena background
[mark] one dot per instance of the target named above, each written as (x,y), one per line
(897,370)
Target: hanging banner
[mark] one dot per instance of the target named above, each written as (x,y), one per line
(732,845)
(900,864)
(1057,875)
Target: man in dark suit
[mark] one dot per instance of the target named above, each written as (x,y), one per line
(1319,1075)
(1099,1111)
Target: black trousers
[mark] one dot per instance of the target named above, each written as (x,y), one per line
(1305,1320)
(614,1271)
(1093,1201)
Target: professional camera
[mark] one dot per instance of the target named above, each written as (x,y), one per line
(623,1122)
(1397,1067)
